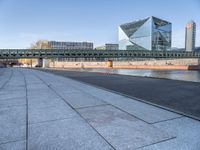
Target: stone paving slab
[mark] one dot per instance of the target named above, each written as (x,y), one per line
(67,134)
(122,130)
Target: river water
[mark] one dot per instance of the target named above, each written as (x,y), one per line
(184,75)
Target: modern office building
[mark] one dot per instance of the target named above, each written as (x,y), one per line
(190,33)
(147,34)
(70,45)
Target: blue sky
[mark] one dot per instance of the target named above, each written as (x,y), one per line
(23,22)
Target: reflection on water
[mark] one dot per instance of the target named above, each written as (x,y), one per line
(184,75)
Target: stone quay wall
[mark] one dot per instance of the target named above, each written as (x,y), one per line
(183,64)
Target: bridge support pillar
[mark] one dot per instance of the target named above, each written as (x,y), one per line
(40,62)
(199,61)
(45,63)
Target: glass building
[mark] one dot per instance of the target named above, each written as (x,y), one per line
(148,34)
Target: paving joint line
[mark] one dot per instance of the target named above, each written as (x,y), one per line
(156,143)
(27,117)
(3,106)
(167,120)
(12,141)
(59,119)
(42,107)
(11,99)
(92,106)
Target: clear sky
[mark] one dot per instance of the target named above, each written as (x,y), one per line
(23,22)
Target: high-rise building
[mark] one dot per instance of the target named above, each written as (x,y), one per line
(147,34)
(190,33)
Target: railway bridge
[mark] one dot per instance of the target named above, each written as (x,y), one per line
(62,53)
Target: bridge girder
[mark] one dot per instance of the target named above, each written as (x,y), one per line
(60,53)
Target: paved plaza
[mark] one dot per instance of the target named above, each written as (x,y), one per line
(43,111)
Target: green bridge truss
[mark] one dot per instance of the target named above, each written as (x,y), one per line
(59,53)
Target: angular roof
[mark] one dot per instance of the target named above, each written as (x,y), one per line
(130,28)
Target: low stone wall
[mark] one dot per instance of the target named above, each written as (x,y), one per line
(183,64)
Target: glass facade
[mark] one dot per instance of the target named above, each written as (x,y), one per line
(70,45)
(147,34)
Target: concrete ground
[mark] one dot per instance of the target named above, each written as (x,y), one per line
(40,111)
(179,96)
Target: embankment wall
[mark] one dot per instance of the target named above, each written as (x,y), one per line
(183,64)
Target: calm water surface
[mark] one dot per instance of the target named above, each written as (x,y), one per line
(184,75)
